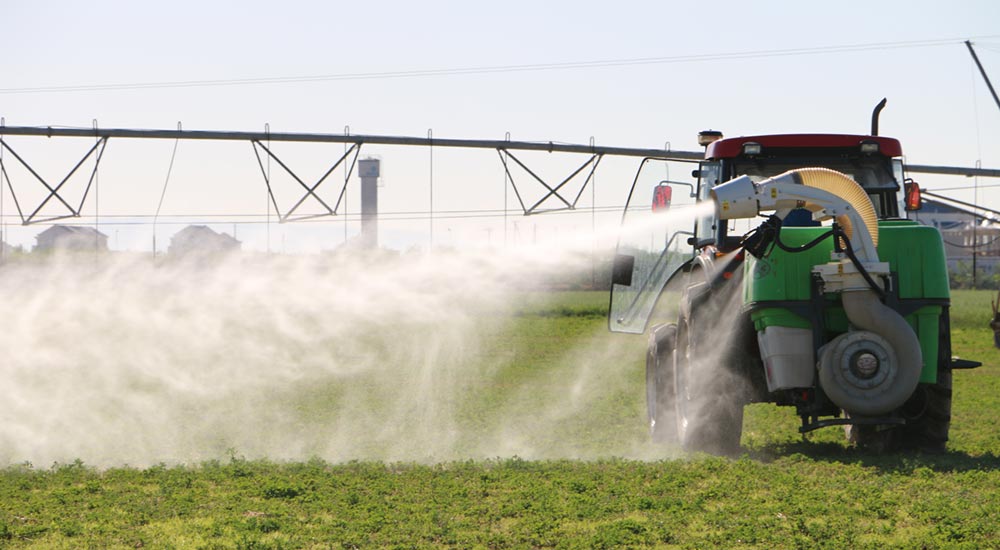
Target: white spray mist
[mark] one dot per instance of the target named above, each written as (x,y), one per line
(340,357)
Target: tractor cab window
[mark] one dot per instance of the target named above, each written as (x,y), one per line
(875,174)
(706,226)
(900,177)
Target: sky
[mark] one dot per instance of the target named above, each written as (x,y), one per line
(938,104)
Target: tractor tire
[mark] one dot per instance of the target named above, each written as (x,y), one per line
(928,420)
(708,397)
(928,417)
(927,412)
(869,438)
(660,384)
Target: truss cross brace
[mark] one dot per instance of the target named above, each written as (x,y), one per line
(310,190)
(553,191)
(98,147)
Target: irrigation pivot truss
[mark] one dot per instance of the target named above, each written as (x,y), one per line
(259,140)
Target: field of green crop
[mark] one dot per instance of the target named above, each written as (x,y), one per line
(784,492)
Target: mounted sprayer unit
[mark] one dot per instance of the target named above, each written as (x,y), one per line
(847,322)
(873,368)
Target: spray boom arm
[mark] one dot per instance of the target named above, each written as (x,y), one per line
(815,189)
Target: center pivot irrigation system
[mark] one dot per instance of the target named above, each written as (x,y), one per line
(846,322)
(260,141)
(554,191)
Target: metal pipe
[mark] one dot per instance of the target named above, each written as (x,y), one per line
(963,203)
(875,114)
(501,145)
(953,171)
(356,138)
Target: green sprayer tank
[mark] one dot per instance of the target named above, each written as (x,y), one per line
(915,254)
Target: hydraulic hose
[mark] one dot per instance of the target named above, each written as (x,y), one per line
(849,250)
(803,248)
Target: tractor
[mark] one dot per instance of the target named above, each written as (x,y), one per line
(833,303)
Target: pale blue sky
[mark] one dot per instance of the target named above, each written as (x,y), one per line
(938,106)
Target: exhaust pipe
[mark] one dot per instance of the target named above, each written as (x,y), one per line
(875,114)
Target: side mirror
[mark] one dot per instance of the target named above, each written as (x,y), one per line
(662,195)
(913,202)
(621,270)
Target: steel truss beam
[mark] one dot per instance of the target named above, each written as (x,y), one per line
(257,139)
(551,147)
(593,161)
(310,191)
(403,140)
(99,147)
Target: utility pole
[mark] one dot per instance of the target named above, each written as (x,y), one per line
(983,72)
(975,221)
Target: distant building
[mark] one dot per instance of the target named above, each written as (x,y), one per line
(68,238)
(965,233)
(7,250)
(201,241)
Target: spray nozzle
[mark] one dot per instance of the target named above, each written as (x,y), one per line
(759,241)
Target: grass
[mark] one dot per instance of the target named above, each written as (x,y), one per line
(794,501)
(783,493)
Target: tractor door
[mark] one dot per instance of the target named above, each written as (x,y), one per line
(653,243)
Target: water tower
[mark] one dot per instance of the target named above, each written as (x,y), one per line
(368,171)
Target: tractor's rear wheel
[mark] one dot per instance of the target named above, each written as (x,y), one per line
(927,412)
(660,384)
(709,407)
(928,420)
(871,438)
(928,417)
